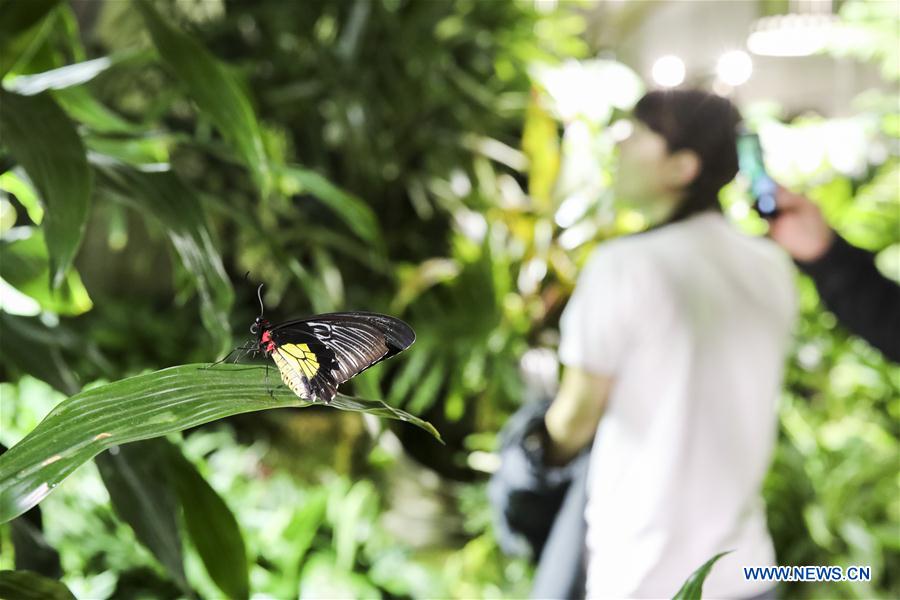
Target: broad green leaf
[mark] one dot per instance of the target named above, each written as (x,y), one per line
(213,88)
(211,525)
(28,585)
(693,587)
(137,479)
(164,197)
(144,407)
(42,139)
(24,264)
(358,216)
(18,28)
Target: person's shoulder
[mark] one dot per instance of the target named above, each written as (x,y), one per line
(619,261)
(766,250)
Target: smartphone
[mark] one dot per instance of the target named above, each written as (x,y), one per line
(753,168)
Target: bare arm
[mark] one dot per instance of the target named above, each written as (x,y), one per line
(575,413)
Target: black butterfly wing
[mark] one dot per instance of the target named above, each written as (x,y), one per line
(317,354)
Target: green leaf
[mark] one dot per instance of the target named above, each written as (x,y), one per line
(18,27)
(24,264)
(32,347)
(33,552)
(211,525)
(20,16)
(164,197)
(323,578)
(137,479)
(357,507)
(82,106)
(358,216)
(144,407)
(302,530)
(27,585)
(43,140)
(693,587)
(215,91)
(16,182)
(31,549)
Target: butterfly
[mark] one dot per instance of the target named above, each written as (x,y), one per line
(317,354)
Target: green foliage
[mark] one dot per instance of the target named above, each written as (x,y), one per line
(427,159)
(24,265)
(212,527)
(213,89)
(58,169)
(140,408)
(27,585)
(136,478)
(693,587)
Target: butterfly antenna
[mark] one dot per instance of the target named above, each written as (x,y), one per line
(259,295)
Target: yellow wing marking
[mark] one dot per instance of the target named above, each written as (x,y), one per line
(290,375)
(302,357)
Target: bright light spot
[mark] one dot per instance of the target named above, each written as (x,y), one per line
(588,89)
(739,211)
(621,130)
(734,67)
(791,35)
(668,71)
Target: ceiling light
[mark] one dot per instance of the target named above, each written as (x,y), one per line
(734,67)
(668,71)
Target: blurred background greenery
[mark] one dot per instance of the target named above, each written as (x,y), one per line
(446,162)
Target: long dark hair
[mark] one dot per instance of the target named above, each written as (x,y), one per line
(701,122)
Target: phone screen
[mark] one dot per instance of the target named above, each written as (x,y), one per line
(750,161)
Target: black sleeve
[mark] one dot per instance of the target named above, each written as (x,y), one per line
(864,301)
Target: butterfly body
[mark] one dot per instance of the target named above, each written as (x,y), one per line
(317,354)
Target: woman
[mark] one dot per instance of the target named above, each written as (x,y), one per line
(673,344)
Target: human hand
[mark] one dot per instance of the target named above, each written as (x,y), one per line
(799,227)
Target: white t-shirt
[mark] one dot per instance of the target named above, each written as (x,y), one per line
(693,322)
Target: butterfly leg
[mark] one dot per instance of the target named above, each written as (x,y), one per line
(268,387)
(245,348)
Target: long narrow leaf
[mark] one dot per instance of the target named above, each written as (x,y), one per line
(211,525)
(43,140)
(137,479)
(358,216)
(27,585)
(82,106)
(693,587)
(213,89)
(21,16)
(19,28)
(144,407)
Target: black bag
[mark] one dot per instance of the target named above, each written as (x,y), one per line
(539,509)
